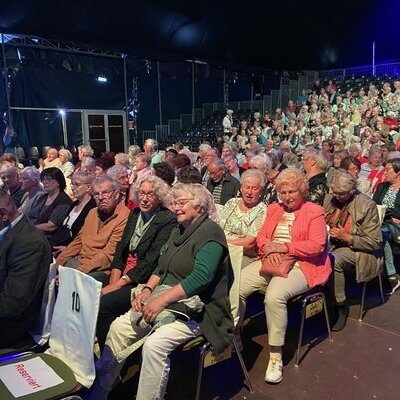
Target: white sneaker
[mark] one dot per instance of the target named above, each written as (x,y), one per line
(274,371)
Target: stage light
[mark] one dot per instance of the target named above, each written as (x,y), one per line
(61,112)
(101,79)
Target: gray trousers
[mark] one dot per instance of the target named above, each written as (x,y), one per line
(345,260)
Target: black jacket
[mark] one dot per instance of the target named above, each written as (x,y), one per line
(25,257)
(380,194)
(230,187)
(78,223)
(148,249)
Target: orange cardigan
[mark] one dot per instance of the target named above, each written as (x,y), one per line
(309,239)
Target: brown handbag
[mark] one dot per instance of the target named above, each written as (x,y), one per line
(281,270)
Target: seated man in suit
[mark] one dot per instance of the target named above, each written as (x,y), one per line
(93,248)
(25,257)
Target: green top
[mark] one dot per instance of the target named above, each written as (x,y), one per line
(207,260)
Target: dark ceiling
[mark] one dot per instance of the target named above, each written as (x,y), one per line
(286,35)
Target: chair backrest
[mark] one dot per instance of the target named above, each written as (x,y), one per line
(33,153)
(41,331)
(20,153)
(74,323)
(45,149)
(236,255)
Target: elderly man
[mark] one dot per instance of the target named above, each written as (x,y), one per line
(25,257)
(221,184)
(227,122)
(150,147)
(94,247)
(11,183)
(203,148)
(52,159)
(315,166)
(211,155)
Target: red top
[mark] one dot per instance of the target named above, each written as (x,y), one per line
(309,239)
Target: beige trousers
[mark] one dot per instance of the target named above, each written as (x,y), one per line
(278,292)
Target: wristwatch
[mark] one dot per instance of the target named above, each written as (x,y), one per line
(124,278)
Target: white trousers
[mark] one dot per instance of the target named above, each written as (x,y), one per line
(278,292)
(155,356)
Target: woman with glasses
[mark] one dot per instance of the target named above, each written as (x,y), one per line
(84,202)
(49,211)
(186,296)
(355,237)
(136,255)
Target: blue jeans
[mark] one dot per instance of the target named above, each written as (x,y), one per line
(387,249)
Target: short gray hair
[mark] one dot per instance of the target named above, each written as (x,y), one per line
(160,189)
(116,170)
(204,147)
(319,156)
(151,142)
(104,178)
(86,150)
(144,157)
(198,192)
(253,173)
(88,162)
(65,153)
(343,182)
(123,159)
(8,169)
(32,173)
(260,162)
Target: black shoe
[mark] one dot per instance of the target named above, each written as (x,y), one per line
(394,284)
(343,312)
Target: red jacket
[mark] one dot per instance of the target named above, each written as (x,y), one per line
(309,239)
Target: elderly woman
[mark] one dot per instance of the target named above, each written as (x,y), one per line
(353,166)
(295,228)
(388,195)
(266,163)
(355,236)
(51,159)
(30,183)
(88,164)
(338,156)
(84,202)
(136,255)
(242,218)
(66,167)
(142,166)
(370,169)
(49,211)
(192,275)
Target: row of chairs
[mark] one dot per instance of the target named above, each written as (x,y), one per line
(31,155)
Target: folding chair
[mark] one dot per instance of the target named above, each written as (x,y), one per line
(68,364)
(381,213)
(207,356)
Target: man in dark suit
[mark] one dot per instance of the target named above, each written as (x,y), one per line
(25,257)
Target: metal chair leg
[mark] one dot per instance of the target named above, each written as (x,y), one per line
(303,315)
(381,288)
(243,365)
(328,324)
(203,352)
(362,302)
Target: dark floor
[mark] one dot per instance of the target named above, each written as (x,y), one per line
(362,362)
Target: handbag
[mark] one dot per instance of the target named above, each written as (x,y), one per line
(281,270)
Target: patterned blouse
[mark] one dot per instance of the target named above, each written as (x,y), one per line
(238,224)
(389,199)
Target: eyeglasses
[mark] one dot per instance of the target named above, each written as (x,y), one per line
(106,194)
(76,184)
(149,195)
(182,202)
(47,180)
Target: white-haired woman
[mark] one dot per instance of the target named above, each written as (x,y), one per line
(66,167)
(295,228)
(136,255)
(242,218)
(30,183)
(355,236)
(191,277)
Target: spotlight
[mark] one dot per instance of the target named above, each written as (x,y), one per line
(101,79)
(61,112)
